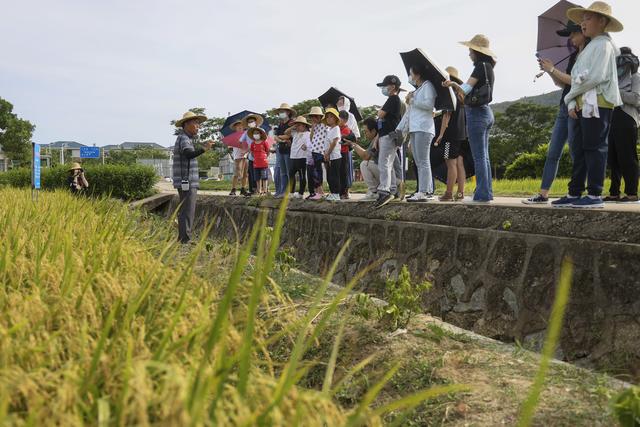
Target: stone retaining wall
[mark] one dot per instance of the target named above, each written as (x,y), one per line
(493,268)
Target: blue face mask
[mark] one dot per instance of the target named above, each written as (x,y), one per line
(385,91)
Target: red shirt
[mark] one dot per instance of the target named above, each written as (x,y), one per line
(344,131)
(260,153)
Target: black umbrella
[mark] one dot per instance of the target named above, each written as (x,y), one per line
(226,127)
(446,99)
(438,163)
(331,97)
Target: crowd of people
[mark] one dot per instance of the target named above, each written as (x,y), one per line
(598,118)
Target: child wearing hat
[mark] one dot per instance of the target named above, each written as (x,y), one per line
(347,137)
(240,172)
(318,136)
(332,153)
(249,122)
(593,96)
(260,150)
(300,146)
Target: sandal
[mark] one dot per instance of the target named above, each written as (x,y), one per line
(446,197)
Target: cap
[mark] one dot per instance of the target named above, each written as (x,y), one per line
(390,80)
(571,27)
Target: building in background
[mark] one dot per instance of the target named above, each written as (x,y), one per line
(69,147)
(4,161)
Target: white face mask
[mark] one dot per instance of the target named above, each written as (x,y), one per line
(341,108)
(283,115)
(412,82)
(251,124)
(257,136)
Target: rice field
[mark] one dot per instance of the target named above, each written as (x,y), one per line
(106,321)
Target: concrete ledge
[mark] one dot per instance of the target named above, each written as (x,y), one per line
(494,280)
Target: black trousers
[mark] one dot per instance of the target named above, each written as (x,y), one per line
(333,176)
(623,157)
(344,173)
(298,167)
(590,153)
(252,178)
(186,214)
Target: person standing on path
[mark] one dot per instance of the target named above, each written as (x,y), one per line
(564,126)
(283,149)
(478,93)
(185,170)
(593,96)
(623,138)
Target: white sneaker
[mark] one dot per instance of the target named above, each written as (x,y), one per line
(297,196)
(370,197)
(418,197)
(333,197)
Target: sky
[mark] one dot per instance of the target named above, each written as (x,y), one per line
(105,72)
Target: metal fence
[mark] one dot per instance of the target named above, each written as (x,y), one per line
(161,166)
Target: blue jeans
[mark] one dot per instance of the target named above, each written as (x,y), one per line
(479,122)
(283,164)
(590,149)
(421,148)
(562,132)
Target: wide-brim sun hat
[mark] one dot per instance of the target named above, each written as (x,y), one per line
(454,74)
(601,8)
(252,131)
(301,120)
(190,115)
(234,124)
(480,43)
(75,166)
(286,107)
(316,111)
(257,117)
(330,111)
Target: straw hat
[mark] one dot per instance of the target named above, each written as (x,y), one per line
(301,120)
(601,8)
(286,107)
(190,115)
(315,111)
(234,124)
(252,131)
(480,43)
(75,166)
(453,74)
(333,112)
(257,117)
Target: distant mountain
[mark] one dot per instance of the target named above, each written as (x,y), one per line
(548,99)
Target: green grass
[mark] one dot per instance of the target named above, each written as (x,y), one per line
(501,187)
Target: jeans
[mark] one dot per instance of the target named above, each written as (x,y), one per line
(387,156)
(187,213)
(276,173)
(333,175)
(479,123)
(298,166)
(370,174)
(562,132)
(421,148)
(623,157)
(590,153)
(284,163)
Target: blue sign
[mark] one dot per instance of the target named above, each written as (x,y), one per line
(89,152)
(36,167)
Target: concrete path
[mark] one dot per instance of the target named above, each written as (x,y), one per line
(166,187)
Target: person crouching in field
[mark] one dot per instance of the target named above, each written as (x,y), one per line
(77,180)
(185,170)
(260,150)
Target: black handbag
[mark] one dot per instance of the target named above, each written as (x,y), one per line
(482,95)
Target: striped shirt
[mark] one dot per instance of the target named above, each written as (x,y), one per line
(185,162)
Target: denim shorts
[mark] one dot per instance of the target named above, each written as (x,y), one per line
(260,173)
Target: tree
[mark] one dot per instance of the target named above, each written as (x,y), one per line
(16,139)
(520,129)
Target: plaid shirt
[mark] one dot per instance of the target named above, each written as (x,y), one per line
(185,162)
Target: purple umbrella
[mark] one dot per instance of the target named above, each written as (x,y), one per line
(551,46)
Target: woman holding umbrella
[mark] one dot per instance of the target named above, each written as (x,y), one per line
(563,127)
(421,128)
(478,93)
